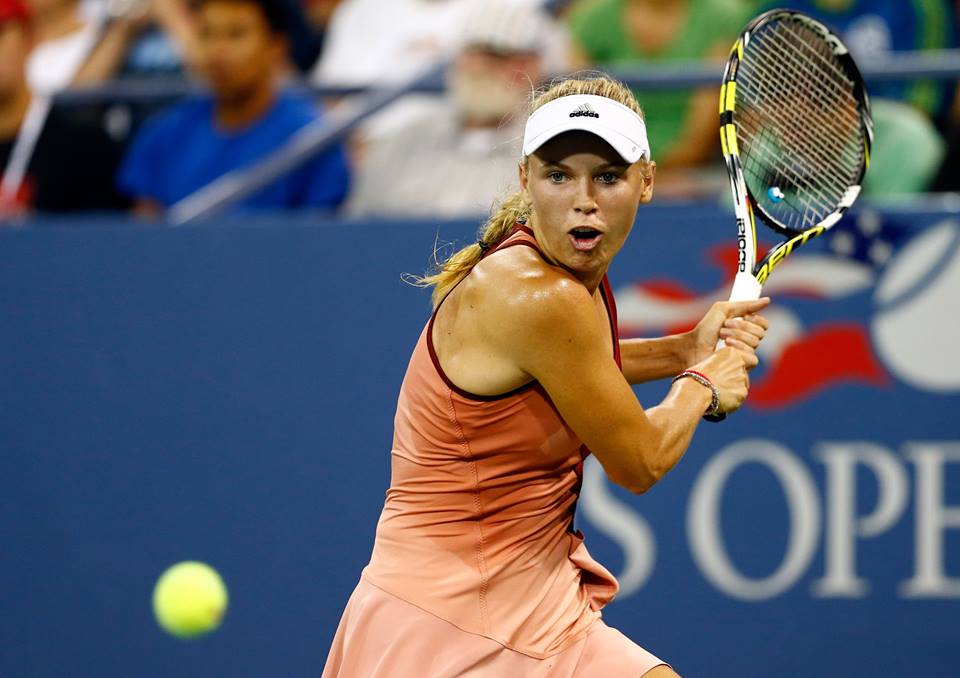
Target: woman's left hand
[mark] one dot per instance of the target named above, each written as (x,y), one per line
(738,323)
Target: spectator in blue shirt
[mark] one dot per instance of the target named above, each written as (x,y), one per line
(243,49)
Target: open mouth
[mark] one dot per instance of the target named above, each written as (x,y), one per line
(585,238)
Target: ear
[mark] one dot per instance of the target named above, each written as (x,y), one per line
(524,180)
(646,194)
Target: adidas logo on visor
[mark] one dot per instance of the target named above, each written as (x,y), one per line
(584,110)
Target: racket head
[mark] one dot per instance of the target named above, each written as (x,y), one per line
(795,120)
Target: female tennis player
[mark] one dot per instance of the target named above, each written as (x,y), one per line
(518,375)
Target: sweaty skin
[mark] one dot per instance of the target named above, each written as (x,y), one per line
(518,318)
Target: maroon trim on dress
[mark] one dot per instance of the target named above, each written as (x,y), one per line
(526,229)
(611,303)
(504,244)
(606,293)
(456,389)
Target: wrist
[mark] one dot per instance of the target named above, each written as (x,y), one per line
(687,353)
(713,408)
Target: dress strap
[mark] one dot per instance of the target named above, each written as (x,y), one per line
(520,234)
(606,290)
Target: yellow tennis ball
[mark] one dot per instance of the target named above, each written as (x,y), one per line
(189,599)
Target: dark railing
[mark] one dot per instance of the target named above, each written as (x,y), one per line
(361,102)
(934,64)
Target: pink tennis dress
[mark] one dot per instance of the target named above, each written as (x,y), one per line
(476,570)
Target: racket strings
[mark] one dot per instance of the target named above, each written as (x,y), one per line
(806,60)
(764,164)
(814,117)
(798,124)
(842,83)
(795,142)
(811,47)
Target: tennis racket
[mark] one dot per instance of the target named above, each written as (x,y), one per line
(796,132)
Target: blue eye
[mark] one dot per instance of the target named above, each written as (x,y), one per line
(556,177)
(609,178)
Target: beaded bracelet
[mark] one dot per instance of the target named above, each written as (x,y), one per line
(714,408)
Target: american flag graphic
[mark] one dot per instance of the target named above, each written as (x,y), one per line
(798,359)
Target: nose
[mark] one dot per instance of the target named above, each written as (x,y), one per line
(585,201)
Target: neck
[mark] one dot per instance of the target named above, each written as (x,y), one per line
(244,109)
(590,279)
(12,113)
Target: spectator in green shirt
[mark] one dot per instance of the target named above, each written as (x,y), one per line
(682,124)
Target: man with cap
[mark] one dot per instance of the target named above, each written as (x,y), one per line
(458,152)
(70,165)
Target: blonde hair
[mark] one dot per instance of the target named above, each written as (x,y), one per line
(513,209)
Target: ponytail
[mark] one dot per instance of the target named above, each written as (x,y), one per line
(460,263)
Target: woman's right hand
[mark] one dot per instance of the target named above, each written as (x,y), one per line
(728,372)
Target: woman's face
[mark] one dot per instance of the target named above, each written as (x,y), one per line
(583,199)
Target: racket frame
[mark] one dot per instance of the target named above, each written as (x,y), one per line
(750,274)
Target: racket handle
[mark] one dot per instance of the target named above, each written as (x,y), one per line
(745,288)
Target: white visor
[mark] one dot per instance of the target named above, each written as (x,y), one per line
(613,122)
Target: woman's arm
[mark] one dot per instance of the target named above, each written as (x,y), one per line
(651,359)
(548,326)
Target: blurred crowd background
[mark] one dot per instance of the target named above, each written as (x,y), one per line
(176,93)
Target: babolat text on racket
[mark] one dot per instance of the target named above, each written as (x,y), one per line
(796,132)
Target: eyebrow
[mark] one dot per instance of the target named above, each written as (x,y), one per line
(605,166)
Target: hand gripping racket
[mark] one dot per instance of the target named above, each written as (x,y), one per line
(796,132)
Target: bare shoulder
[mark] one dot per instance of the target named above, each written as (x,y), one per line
(525,301)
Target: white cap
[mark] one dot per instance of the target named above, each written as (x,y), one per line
(613,122)
(508,27)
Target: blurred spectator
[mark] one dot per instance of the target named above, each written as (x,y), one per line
(948,179)
(63,39)
(71,166)
(87,42)
(461,150)
(305,40)
(875,28)
(374,43)
(170,42)
(73,46)
(319,13)
(242,51)
(371,41)
(908,149)
(682,126)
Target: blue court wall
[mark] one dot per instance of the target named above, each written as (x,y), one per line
(225,393)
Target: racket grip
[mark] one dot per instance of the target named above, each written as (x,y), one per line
(745,288)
